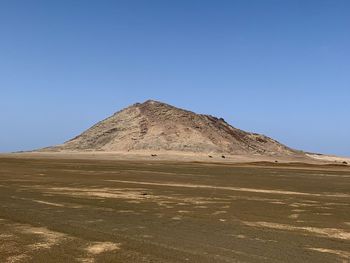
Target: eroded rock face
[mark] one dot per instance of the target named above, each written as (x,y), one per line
(154,125)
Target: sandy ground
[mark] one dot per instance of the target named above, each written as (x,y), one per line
(329,158)
(84,210)
(180,157)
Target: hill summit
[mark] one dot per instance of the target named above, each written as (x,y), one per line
(156,126)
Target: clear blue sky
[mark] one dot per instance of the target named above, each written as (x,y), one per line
(276,67)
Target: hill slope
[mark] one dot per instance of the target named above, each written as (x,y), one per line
(154,126)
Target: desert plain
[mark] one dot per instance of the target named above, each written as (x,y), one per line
(89,210)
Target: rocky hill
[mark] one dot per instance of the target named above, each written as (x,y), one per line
(156,126)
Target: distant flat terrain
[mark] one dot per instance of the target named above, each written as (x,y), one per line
(63,210)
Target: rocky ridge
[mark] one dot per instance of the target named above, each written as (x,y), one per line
(156,126)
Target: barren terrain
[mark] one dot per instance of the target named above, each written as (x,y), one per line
(157,126)
(64,210)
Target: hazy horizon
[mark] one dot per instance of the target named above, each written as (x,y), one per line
(280,68)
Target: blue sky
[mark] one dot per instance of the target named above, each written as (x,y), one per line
(276,67)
